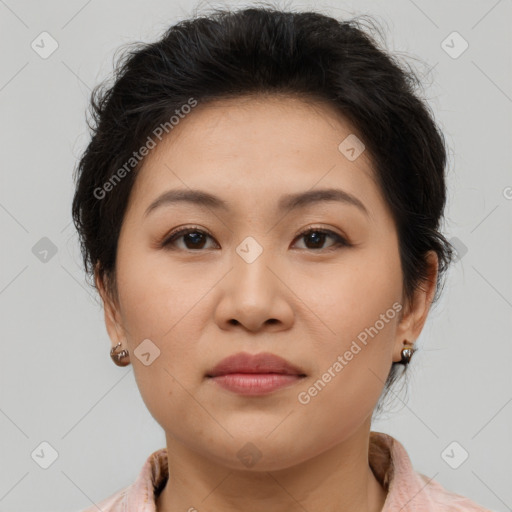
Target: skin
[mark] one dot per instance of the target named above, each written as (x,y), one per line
(298,300)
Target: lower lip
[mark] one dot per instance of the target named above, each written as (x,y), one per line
(255,383)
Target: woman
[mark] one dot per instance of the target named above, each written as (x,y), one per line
(260,207)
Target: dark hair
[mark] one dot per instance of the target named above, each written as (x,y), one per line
(263,50)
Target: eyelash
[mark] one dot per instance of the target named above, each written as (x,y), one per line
(173,236)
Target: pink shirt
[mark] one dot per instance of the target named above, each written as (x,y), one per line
(407,490)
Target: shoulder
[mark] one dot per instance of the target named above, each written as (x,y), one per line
(407,489)
(140,495)
(446,500)
(114,503)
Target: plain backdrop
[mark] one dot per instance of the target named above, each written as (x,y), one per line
(60,393)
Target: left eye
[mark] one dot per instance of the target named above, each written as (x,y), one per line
(194,239)
(317,237)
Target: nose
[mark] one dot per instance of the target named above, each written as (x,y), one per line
(254,295)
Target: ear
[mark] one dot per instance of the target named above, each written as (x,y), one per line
(111,309)
(416,310)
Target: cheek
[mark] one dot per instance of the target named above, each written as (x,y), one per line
(156,299)
(350,373)
(160,305)
(352,294)
(359,305)
(157,307)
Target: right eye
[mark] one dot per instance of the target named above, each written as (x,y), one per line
(193,238)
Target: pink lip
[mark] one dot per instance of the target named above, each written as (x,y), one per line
(255,383)
(255,374)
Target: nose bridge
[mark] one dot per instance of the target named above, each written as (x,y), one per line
(253,284)
(250,261)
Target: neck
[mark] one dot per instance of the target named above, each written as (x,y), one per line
(336,480)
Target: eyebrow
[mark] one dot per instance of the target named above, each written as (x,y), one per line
(287,202)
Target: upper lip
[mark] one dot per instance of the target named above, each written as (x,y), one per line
(264,362)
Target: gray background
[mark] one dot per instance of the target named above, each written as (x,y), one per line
(57,382)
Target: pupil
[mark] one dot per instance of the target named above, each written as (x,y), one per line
(195,237)
(316,236)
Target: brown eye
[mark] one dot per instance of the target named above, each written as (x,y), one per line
(193,239)
(315,238)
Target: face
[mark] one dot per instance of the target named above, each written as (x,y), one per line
(316,282)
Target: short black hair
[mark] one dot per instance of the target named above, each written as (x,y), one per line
(258,51)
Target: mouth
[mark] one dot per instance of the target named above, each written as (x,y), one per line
(258,374)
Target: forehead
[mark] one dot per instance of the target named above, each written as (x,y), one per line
(253,146)
(281,122)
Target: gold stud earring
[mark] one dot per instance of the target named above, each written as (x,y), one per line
(407,353)
(118,357)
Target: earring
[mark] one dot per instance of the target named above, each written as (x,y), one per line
(407,353)
(118,356)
